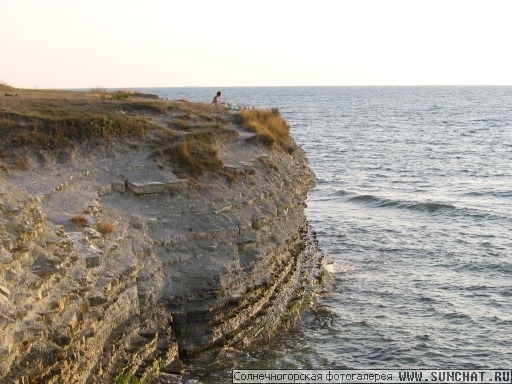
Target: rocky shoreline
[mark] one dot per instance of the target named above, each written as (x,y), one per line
(161,268)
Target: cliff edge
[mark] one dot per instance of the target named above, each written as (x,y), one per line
(130,253)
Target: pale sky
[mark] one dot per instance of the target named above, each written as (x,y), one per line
(174,43)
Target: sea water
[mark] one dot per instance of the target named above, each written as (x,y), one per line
(413,204)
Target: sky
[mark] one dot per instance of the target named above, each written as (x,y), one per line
(176,43)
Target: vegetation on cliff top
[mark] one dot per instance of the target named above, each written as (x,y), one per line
(269,127)
(193,154)
(4,87)
(60,121)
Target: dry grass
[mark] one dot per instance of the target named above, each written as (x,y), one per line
(5,87)
(106,227)
(192,148)
(60,121)
(181,124)
(67,131)
(208,117)
(197,156)
(191,154)
(194,152)
(268,125)
(20,163)
(79,220)
(63,119)
(189,108)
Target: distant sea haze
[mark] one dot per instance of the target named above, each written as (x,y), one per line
(414,205)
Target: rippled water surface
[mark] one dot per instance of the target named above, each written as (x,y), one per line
(414,205)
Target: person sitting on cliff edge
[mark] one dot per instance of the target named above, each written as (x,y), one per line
(216,99)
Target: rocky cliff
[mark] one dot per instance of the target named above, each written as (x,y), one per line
(111,263)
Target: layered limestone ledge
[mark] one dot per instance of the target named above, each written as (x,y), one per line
(184,266)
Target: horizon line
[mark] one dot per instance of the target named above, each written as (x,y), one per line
(286,86)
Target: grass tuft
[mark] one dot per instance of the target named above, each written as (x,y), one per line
(196,154)
(268,125)
(192,143)
(79,220)
(181,124)
(106,227)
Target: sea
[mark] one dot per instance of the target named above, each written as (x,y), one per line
(413,204)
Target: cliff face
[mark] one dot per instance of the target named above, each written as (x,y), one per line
(110,263)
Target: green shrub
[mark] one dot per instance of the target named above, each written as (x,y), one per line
(120,95)
(126,378)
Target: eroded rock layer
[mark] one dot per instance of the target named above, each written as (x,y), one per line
(111,265)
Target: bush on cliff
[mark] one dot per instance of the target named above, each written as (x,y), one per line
(268,125)
(192,154)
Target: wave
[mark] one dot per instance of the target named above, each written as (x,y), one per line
(490,193)
(341,192)
(380,202)
(430,207)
